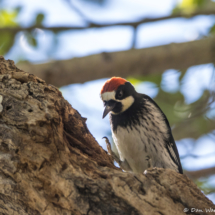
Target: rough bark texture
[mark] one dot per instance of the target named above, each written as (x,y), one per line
(135,62)
(51,164)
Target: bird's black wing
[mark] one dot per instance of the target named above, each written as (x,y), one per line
(173,151)
(170,142)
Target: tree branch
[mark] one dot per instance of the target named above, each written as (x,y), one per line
(77,10)
(135,62)
(51,164)
(200,173)
(96,25)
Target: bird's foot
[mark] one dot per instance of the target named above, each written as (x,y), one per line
(108,145)
(110,152)
(123,164)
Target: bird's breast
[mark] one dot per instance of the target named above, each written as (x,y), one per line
(130,145)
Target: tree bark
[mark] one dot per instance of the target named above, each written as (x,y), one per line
(134,62)
(50,163)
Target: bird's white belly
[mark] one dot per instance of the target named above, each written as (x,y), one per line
(131,147)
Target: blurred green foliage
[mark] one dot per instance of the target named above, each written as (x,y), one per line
(7,19)
(190,6)
(39,19)
(205,186)
(31,39)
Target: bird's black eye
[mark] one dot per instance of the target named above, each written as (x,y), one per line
(120,94)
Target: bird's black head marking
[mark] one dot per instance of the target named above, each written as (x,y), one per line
(125,90)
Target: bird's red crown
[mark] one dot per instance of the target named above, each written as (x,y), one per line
(112,84)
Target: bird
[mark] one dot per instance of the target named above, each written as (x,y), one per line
(140,130)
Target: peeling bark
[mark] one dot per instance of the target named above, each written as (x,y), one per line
(134,62)
(50,163)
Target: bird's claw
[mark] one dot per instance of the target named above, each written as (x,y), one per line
(108,145)
(123,164)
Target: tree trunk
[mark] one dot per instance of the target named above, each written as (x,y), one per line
(51,164)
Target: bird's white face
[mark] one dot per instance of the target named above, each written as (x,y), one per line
(125,102)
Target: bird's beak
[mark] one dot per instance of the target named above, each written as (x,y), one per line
(107,109)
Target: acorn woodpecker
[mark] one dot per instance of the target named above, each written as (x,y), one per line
(140,129)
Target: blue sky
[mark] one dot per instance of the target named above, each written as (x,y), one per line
(85,97)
